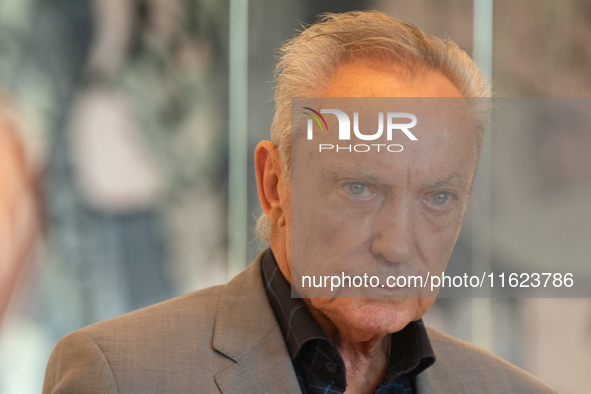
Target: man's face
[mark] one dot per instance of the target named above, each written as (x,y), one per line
(380,213)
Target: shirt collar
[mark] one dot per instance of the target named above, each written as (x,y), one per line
(410,353)
(297,323)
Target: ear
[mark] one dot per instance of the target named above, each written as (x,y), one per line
(270,181)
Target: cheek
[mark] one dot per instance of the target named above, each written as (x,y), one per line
(436,236)
(320,229)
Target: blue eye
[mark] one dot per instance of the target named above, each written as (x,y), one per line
(440,198)
(357,189)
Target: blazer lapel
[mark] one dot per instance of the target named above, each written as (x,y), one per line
(247,332)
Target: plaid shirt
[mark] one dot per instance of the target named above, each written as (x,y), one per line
(317,362)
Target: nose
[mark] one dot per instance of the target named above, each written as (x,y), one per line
(393,231)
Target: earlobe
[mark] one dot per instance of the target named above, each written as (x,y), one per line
(269,179)
(276,215)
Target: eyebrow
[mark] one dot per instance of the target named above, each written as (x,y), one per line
(451,180)
(359,173)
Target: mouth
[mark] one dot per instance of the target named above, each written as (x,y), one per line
(377,292)
(383,291)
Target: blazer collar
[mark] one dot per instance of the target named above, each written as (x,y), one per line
(247,332)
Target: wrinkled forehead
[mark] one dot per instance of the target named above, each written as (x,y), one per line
(421,139)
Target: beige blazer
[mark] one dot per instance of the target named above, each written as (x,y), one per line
(225,339)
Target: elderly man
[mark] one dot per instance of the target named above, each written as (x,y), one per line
(385,213)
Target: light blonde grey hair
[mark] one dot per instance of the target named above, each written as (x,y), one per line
(308,62)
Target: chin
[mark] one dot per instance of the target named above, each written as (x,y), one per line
(361,319)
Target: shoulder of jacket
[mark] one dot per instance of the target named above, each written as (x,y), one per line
(195,309)
(464,360)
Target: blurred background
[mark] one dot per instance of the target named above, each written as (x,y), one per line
(120,185)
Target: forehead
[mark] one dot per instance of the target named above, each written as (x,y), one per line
(445,149)
(445,145)
(447,141)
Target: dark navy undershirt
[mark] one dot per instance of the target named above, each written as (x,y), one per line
(318,364)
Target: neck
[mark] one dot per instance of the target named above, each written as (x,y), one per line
(365,355)
(365,363)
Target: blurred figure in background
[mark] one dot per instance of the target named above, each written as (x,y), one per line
(130,97)
(18,207)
